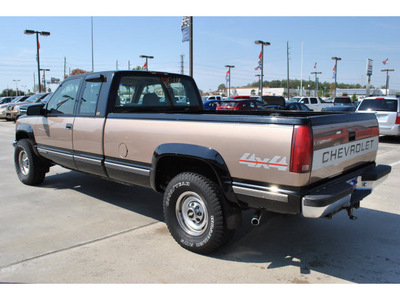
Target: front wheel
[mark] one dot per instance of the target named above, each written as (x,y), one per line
(193,211)
(30,169)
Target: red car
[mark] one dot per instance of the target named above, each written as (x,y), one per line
(238,105)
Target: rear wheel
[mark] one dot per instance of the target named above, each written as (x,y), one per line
(30,169)
(194,213)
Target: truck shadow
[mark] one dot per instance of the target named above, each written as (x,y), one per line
(366,250)
(124,196)
(363,251)
(389,139)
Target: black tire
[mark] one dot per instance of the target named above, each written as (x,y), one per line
(194,213)
(29,167)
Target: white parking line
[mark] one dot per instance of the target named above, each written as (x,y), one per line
(395,163)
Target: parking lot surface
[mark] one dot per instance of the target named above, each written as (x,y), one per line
(77,228)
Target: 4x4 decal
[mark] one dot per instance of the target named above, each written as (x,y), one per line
(253,161)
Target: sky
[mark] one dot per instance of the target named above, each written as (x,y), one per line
(221,37)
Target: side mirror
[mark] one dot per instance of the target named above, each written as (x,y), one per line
(35,110)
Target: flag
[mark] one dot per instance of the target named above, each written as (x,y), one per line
(145,66)
(185,27)
(315,65)
(259,62)
(227,76)
(38,45)
(334,71)
(259,66)
(386,61)
(43,79)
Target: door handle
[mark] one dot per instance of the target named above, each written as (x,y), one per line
(68,126)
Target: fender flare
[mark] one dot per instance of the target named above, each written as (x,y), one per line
(206,155)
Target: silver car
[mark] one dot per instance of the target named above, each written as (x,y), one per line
(387,111)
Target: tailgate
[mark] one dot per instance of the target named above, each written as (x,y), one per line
(349,141)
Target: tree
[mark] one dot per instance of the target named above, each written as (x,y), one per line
(78,71)
(221,87)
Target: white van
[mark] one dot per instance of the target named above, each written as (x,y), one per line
(387,112)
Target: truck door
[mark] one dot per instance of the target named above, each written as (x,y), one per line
(54,131)
(88,128)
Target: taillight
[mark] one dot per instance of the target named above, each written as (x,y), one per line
(398,118)
(302,149)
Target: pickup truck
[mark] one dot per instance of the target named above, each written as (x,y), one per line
(209,165)
(314,103)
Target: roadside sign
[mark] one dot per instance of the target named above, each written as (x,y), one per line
(369,66)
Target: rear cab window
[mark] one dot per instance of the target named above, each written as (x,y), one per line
(162,92)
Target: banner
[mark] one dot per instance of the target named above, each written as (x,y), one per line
(185,27)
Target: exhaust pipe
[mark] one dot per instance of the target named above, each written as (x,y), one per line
(255,221)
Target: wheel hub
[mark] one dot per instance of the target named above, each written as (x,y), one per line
(192,213)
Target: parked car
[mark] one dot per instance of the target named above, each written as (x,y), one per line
(21,110)
(11,111)
(15,100)
(297,106)
(347,108)
(344,100)
(239,105)
(314,103)
(237,98)
(387,111)
(214,97)
(6,99)
(211,104)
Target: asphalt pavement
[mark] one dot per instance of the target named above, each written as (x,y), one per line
(77,228)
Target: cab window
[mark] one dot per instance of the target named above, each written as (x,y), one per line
(90,98)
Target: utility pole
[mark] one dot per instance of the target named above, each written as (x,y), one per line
(92,46)
(191,46)
(116,65)
(44,76)
(65,67)
(369,73)
(182,66)
(229,72)
(287,58)
(387,78)
(336,60)
(316,82)
(16,84)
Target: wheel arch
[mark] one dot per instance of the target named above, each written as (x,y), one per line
(173,158)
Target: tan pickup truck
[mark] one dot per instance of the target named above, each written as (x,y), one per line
(150,129)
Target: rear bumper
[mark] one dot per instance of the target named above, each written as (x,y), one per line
(390,130)
(329,199)
(313,202)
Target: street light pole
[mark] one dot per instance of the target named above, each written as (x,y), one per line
(44,33)
(146,57)
(387,78)
(229,70)
(259,83)
(262,60)
(16,85)
(316,82)
(336,60)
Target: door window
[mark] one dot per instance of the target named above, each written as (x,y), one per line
(63,100)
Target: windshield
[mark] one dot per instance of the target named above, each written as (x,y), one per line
(378,105)
(33,98)
(229,103)
(46,99)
